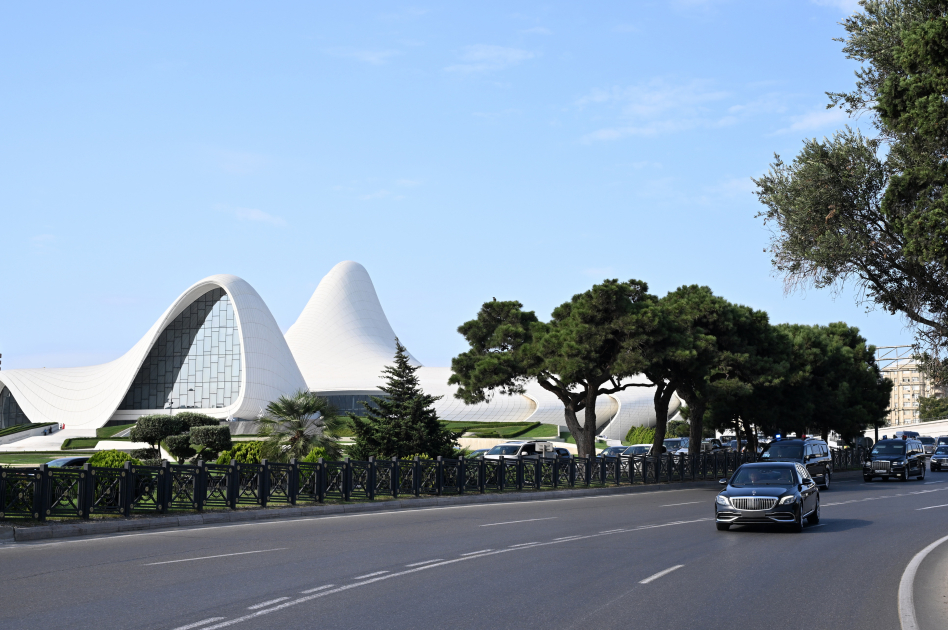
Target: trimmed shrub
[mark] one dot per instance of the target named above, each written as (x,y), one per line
(640,435)
(155,428)
(180,446)
(244,453)
(194,419)
(112,459)
(209,441)
(146,453)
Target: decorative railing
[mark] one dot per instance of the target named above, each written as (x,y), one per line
(40,493)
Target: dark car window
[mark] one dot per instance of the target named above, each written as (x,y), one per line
(504,449)
(889,448)
(824,450)
(926,440)
(941,450)
(943,440)
(763,476)
(784,450)
(529,449)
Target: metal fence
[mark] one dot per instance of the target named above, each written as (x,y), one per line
(41,493)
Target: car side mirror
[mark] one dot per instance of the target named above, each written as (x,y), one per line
(723,482)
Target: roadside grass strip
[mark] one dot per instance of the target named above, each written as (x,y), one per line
(268,603)
(470,556)
(223,555)
(652,578)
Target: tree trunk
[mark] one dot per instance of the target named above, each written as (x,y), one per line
(589,426)
(696,407)
(663,394)
(575,430)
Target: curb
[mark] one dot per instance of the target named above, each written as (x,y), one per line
(15,534)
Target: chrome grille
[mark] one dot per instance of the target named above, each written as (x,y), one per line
(881,466)
(753,503)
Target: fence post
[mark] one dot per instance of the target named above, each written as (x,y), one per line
(538,474)
(293,483)
(416,476)
(520,473)
(40,492)
(320,481)
(370,479)
(346,479)
(439,476)
(462,475)
(481,475)
(556,471)
(85,489)
(396,477)
(233,484)
(263,482)
(200,486)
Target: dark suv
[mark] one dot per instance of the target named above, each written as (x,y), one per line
(898,459)
(811,452)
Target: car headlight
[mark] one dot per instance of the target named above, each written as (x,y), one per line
(722,500)
(788,499)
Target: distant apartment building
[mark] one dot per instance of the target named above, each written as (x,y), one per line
(909,384)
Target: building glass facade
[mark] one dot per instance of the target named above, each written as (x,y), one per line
(10,413)
(350,403)
(195,364)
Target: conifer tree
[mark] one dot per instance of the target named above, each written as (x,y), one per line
(402,423)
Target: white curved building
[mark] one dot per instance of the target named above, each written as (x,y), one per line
(218,349)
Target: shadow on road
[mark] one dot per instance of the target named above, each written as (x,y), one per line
(827,525)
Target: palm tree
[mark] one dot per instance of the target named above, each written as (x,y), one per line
(294,425)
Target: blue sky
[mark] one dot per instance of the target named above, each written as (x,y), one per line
(459,151)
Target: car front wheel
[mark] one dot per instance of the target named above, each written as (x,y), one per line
(922,476)
(866,478)
(826,481)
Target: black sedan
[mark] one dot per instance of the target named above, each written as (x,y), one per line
(777,492)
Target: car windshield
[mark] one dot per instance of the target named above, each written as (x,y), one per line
(889,448)
(926,440)
(762,476)
(676,443)
(941,450)
(787,450)
(504,449)
(943,440)
(638,449)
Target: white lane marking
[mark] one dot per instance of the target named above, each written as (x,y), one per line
(928,483)
(197,624)
(418,564)
(612,531)
(526,520)
(524,544)
(318,588)
(575,536)
(346,587)
(471,553)
(268,603)
(884,496)
(223,555)
(676,504)
(932,507)
(907,587)
(368,575)
(652,578)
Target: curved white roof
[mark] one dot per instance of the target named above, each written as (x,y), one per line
(87,397)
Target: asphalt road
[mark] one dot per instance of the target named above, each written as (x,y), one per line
(640,560)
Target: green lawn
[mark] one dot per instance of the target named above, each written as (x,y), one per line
(72,444)
(107,432)
(34,458)
(506,430)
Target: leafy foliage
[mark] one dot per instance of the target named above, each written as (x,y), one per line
(294,425)
(873,210)
(155,428)
(402,422)
(243,452)
(640,435)
(208,441)
(180,446)
(190,419)
(930,408)
(587,349)
(314,455)
(112,459)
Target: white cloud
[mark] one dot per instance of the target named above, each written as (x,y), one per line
(815,120)
(374,57)
(252,214)
(42,241)
(485,58)
(849,6)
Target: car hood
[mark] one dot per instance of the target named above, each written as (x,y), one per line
(781,459)
(886,458)
(757,491)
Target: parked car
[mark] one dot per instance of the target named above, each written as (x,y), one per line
(562,452)
(896,459)
(939,460)
(676,446)
(67,462)
(515,448)
(768,492)
(928,443)
(612,451)
(639,449)
(811,453)
(477,453)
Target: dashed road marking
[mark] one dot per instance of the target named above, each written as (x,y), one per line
(472,553)
(526,520)
(223,555)
(267,603)
(676,504)
(318,588)
(418,564)
(198,624)
(368,575)
(652,578)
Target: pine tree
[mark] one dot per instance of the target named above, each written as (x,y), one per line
(403,423)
